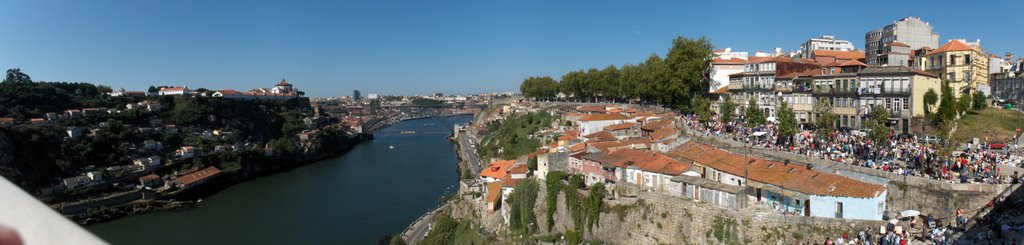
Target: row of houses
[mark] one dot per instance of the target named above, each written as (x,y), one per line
(674,166)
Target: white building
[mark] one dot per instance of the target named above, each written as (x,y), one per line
(593,123)
(175,91)
(185,152)
(824,42)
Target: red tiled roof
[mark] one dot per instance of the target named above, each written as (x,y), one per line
(840,54)
(497,169)
(598,109)
(899,44)
(570,135)
(7,119)
(651,161)
(722,90)
(792,177)
(198,175)
(853,63)
(657,125)
(519,169)
(577,147)
(603,117)
(230,92)
(732,61)
(601,136)
(493,192)
(620,126)
(663,133)
(954,45)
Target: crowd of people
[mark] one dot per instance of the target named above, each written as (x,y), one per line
(902,154)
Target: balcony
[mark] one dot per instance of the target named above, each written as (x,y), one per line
(735,86)
(884,91)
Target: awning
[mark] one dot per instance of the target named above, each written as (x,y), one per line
(758,134)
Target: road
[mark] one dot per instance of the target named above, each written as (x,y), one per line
(468,150)
(415,233)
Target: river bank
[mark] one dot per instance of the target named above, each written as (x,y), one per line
(374,190)
(104,210)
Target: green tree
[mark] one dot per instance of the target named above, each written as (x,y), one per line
(594,202)
(727,110)
(15,76)
(979,101)
(702,108)
(539,87)
(103,89)
(947,106)
(152,89)
(754,115)
(787,120)
(687,63)
(826,119)
(964,103)
(930,98)
(876,122)
(521,203)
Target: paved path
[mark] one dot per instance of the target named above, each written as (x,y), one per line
(419,228)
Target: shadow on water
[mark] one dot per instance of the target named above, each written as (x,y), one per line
(1000,222)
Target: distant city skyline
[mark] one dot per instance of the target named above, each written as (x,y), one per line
(411,47)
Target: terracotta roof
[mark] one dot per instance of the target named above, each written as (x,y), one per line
(663,133)
(519,168)
(37,120)
(599,109)
(610,146)
(198,175)
(792,177)
(603,117)
(230,91)
(652,126)
(954,45)
(606,159)
(601,136)
(839,54)
(282,83)
(508,182)
(722,90)
(7,119)
(493,192)
(852,63)
(168,89)
(151,177)
(899,44)
(620,126)
(570,135)
(497,169)
(651,161)
(577,147)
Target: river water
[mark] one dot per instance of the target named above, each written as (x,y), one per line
(369,192)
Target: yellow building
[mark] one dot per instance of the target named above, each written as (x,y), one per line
(965,66)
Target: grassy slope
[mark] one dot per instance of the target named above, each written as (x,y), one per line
(994,123)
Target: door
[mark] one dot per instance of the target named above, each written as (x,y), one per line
(839,210)
(807,208)
(758,194)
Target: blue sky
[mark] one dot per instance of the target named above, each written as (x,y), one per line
(329,48)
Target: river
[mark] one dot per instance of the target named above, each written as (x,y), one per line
(369,192)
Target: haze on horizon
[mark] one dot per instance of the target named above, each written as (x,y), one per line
(414,47)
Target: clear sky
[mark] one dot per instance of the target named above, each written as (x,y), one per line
(329,48)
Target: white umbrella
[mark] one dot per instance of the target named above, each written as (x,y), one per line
(910,213)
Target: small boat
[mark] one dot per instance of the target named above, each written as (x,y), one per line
(408,132)
(392,147)
(199,201)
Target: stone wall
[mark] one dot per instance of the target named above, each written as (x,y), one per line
(651,218)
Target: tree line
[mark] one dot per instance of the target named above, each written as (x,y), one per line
(678,81)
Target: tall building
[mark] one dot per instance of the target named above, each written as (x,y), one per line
(910,32)
(824,42)
(356,95)
(964,65)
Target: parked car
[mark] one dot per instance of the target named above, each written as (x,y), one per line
(996,145)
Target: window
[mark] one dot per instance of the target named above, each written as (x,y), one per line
(967,59)
(906,104)
(952,76)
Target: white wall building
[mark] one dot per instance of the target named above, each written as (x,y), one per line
(824,42)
